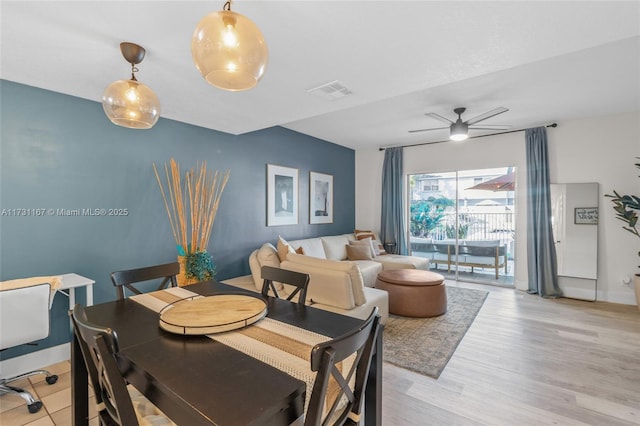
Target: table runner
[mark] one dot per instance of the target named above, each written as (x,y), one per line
(281,345)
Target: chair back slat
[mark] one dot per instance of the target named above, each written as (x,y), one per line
(300,281)
(327,359)
(125,279)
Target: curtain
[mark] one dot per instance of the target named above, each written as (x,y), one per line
(392,229)
(541,262)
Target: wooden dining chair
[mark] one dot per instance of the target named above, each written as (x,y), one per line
(118,404)
(127,278)
(296,279)
(343,394)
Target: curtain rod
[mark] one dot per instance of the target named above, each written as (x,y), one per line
(470,137)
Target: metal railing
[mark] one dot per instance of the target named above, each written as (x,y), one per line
(475,226)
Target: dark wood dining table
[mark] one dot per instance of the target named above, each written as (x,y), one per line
(196,380)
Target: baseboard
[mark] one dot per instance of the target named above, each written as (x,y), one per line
(34,360)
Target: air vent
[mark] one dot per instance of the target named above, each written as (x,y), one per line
(331,91)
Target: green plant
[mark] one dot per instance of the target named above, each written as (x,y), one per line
(627,208)
(426,215)
(463,230)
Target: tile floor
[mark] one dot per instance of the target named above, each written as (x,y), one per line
(56,400)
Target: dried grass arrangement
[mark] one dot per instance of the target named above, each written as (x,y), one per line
(191,207)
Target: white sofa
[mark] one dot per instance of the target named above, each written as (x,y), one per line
(336,284)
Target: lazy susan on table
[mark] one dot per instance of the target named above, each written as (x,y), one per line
(212,314)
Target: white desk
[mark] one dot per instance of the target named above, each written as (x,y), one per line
(72,281)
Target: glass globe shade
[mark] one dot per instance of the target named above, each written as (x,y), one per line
(131,104)
(229,51)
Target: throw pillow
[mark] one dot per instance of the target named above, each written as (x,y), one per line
(362,234)
(358,252)
(367,242)
(283,249)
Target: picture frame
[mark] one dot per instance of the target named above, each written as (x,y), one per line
(282,195)
(585,216)
(320,198)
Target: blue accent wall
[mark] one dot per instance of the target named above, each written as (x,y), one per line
(61,152)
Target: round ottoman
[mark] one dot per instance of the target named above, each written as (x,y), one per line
(414,292)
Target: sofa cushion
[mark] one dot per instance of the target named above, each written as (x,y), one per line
(311,247)
(369,269)
(326,286)
(351,268)
(334,246)
(395,261)
(358,252)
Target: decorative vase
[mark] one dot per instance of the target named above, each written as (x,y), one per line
(636,283)
(182,278)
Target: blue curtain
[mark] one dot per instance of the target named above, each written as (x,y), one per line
(541,262)
(392,229)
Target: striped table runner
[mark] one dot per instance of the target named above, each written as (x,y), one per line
(281,345)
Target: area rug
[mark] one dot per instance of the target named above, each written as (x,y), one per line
(425,345)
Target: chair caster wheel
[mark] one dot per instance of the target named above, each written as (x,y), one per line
(51,379)
(35,407)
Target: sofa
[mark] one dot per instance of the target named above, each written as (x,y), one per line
(337,283)
(471,253)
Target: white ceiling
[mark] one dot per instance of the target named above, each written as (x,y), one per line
(545,61)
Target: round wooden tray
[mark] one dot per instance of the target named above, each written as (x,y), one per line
(212,314)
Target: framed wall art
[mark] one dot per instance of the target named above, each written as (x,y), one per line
(320,198)
(282,195)
(586,216)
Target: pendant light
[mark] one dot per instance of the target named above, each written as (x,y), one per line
(129,103)
(229,50)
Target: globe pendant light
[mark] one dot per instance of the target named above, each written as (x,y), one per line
(129,103)
(229,50)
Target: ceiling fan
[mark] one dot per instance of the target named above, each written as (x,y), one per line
(459,130)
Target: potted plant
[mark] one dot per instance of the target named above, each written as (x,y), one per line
(627,208)
(192,208)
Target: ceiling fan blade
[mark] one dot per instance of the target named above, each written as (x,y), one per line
(491,127)
(486,115)
(426,130)
(439,117)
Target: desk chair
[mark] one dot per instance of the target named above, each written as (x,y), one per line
(298,280)
(347,396)
(24,318)
(118,404)
(167,272)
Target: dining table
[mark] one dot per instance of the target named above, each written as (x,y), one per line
(196,380)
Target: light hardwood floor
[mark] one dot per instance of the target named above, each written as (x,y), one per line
(524,361)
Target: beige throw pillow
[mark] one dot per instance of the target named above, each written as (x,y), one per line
(283,249)
(358,252)
(362,234)
(367,242)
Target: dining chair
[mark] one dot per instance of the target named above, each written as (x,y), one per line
(118,404)
(24,319)
(298,280)
(341,393)
(127,278)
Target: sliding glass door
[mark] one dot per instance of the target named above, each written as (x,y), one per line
(464,223)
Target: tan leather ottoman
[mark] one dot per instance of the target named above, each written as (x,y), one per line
(414,292)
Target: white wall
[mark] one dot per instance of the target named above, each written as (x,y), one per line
(601,149)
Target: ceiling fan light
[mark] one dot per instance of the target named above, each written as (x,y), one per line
(229,50)
(459,131)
